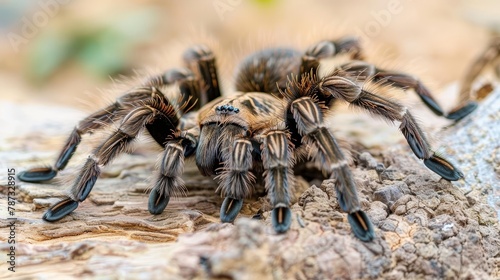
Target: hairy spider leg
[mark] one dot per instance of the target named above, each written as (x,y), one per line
(278,161)
(327,49)
(362,71)
(88,125)
(168,181)
(201,60)
(198,85)
(235,178)
(187,83)
(197,92)
(347,90)
(117,143)
(325,152)
(490,56)
(113,113)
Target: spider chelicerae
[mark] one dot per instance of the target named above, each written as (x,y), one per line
(277,117)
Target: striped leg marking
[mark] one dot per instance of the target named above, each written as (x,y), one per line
(328,156)
(414,135)
(279,180)
(236,181)
(95,121)
(392,111)
(116,144)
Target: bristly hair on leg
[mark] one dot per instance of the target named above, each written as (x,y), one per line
(297,87)
(235,178)
(276,158)
(170,165)
(382,91)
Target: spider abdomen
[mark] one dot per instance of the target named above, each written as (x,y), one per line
(263,70)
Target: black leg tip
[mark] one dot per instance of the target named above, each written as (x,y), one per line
(281,218)
(361,226)
(432,105)
(157,203)
(36,175)
(443,168)
(87,188)
(462,112)
(342,200)
(230,209)
(60,210)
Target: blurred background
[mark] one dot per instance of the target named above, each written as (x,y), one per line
(68,52)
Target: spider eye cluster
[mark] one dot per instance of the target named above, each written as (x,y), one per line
(227,109)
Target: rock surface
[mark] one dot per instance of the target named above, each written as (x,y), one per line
(426,228)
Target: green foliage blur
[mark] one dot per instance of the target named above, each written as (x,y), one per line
(101,50)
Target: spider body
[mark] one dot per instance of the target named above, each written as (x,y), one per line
(243,114)
(275,118)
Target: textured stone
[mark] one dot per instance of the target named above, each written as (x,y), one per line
(389,194)
(367,160)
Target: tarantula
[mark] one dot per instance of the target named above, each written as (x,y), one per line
(276,118)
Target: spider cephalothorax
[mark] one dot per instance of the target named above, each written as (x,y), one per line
(275,117)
